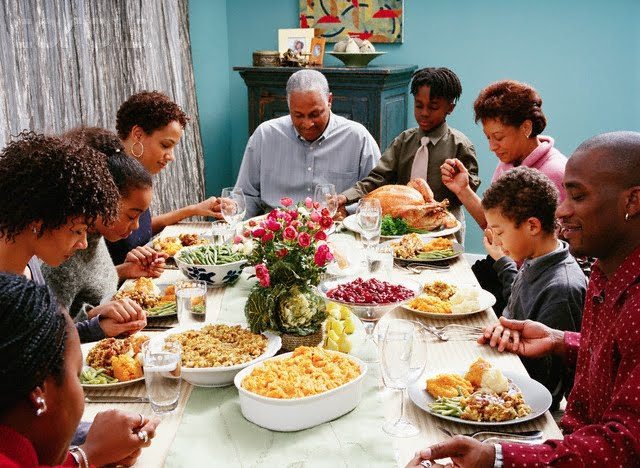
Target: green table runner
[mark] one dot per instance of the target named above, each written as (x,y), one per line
(213,431)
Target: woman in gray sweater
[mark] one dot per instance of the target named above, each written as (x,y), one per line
(87,282)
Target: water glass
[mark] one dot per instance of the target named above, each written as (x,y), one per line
(325,195)
(403,358)
(162,373)
(380,262)
(369,216)
(191,297)
(233,205)
(220,232)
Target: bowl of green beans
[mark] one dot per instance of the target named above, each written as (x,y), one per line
(216,265)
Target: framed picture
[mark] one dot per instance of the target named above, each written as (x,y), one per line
(298,40)
(317,51)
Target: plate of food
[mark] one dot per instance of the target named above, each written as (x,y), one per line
(172,244)
(301,389)
(416,248)
(395,228)
(157,299)
(483,396)
(440,299)
(212,354)
(112,362)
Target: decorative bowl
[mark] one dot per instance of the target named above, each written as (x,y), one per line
(295,414)
(353,59)
(214,275)
(222,376)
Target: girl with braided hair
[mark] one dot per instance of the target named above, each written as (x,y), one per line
(41,399)
(86,282)
(52,191)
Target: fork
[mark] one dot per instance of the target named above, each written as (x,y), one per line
(524,435)
(457,331)
(417,269)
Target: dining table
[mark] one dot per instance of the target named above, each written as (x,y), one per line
(208,429)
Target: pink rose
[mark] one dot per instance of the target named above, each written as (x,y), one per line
(294,214)
(273,214)
(322,255)
(262,273)
(286,201)
(273,225)
(320,236)
(290,233)
(282,252)
(325,212)
(252,223)
(308,202)
(296,223)
(326,222)
(267,237)
(311,225)
(304,239)
(315,216)
(258,232)
(237,240)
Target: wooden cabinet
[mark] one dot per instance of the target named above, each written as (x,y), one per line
(377,97)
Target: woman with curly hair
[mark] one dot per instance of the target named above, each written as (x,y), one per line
(52,191)
(150,126)
(513,121)
(41,399)
(86,283)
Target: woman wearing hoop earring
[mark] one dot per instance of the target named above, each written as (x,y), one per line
(150,126)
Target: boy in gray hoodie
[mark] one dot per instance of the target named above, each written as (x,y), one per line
(549,287)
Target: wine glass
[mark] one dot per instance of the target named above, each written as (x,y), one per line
(233,205)
(369,216)
(325,195)
(403,355)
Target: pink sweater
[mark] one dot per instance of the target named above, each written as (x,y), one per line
(546,159)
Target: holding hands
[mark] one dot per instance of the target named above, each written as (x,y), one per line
(122,316)
(208,207)
(117,438)
(463,451)
(143,261)
(525,338)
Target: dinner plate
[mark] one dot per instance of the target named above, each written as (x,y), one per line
(222,376)
(535,395)
(86,347)
(457,251)
(485,300)
(351,223)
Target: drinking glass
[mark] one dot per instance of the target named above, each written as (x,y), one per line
(191,297)
(162,373)
(403,355)
(325,195)
(233,205)
(380,262)
(220,232)
(369,216)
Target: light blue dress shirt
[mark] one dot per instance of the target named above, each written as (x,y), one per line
(278,162)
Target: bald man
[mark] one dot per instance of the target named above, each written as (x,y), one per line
(600,217)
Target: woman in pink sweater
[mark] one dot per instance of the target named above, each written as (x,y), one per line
(512,120)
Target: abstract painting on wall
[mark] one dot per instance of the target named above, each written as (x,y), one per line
(375,20)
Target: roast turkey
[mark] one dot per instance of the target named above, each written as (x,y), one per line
(414,203)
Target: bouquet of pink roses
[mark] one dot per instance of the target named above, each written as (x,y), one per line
(289,254)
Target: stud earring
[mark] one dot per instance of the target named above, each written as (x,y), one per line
(34,230)
(42,406)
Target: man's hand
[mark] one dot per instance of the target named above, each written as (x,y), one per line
(525,338)
(494,250)
(342,211)
(454,175)
(208,207)
(122,316)
(463,451)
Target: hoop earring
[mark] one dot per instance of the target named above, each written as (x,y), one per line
(42,406)
(627,217)
(133,152)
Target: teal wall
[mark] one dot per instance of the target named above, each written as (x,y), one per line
(583,56)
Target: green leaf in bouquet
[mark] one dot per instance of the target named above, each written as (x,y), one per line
(300,311)
(260,307)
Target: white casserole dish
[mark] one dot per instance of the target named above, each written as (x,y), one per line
(295,414)
(221,376)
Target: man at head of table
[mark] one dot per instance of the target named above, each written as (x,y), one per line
(600,217)
(288,156)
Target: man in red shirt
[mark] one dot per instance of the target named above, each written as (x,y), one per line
(600,217)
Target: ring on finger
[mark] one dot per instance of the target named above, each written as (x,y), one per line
(143,436)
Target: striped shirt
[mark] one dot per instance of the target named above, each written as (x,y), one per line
(278,162)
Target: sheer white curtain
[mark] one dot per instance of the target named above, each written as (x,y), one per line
(69,62)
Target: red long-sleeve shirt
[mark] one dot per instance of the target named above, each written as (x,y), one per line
(16,451)
(602,419)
